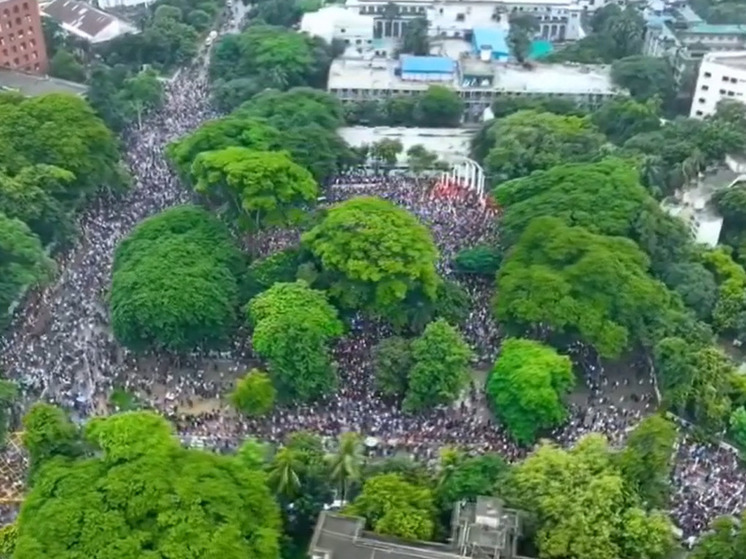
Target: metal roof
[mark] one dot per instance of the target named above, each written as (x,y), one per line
(491,37)
(427,65)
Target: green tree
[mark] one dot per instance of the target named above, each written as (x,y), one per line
(284,473)
(141,93)
(39,195)
(481,260)
(696,286)
(582,507)
(374,253)
(227,95)
(468,477)
(527,387)
(8,538)
(645,77)
(392,363)
(280,58)
(175,282)
(695,381)
(8,397)
(737,426)
(527,141)
(23,262)
(415,39)
(64,65)
(604,197)
(346,463)
(622,117)
(284,13)
(254,394)
(63,131)
(292,326)
(647,460)
(523,27)
(392,506)
(48,432)
(420,160)
(278,267)
(571,280)
(296,108)
(725,540)
(439,106)
(440,369)
(104,504)
(259,188)
(386,151)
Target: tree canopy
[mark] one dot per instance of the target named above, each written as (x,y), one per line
(253,394)
(527,387)
(571,280)
(292,326)
(583,507)
(259,188)
(528,141)
(374,253)
(440,367)
(604,198)
(103,504)
(393,506)
(175,282)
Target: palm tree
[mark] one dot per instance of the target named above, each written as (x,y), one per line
(449,461)
(346,463)
(284,473)
(692,165)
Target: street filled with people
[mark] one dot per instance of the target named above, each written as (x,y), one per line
(60,347)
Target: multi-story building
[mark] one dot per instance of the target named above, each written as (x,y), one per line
(559,20)
(21,38)
(86,22)
(478,80)
(722,76)
(677,33)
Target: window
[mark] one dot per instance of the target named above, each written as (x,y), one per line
(708,75)
(722,92)
(18,21)
(16,9)
(698,113)
(726,79)
(701,99)
(731,94)
(32,42)
(705,87)
(733,80)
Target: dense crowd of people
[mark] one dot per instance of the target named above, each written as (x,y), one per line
(60,347)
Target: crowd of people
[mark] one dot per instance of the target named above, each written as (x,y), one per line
(60,347)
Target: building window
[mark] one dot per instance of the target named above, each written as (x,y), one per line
(698,113)
(726,79)
(25,6)
(32,42)
(722,92)
(731,94)
(708,75)
(701,99)
(733,80)
(16,9)
(705,87)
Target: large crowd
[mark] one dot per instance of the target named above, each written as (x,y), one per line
(60,348)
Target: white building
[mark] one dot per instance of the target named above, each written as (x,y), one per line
(85,21)
(479,83)
(722,76)
(558,20)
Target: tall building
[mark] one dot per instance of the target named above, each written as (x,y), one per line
(722,76)
(21,37)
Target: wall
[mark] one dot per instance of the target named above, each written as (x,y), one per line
(21,38)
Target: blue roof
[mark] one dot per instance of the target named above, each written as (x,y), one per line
(491,37)
(426,64)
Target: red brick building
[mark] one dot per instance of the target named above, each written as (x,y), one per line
(21,38)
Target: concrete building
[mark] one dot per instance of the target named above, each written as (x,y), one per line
(479,83)
(722,76)
(481,530)
(676,32)
(559,20)
(85,21)
(426,68)
(21,37)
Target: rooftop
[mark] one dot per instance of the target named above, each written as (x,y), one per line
(717,29)
(427,64)
(86,21)
(491,37)
(569,79)
(735,59)
(32,85)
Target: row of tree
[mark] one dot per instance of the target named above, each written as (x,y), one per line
(97,488)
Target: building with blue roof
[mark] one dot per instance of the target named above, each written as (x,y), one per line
(427,68)
(492,40)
